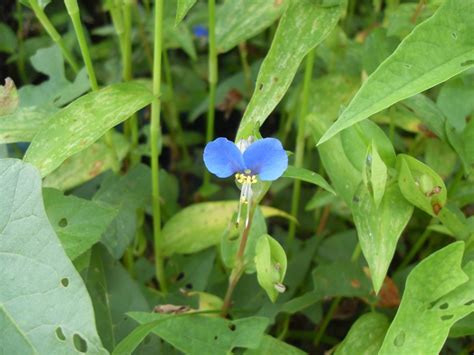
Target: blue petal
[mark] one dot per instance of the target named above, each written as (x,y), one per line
(267,158)
(200,31)
(223,158)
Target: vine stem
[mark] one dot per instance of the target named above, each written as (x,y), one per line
(73,11)
(239,267)
(212,79)
(300,141)
(415,249)
(55,36)
(154,136)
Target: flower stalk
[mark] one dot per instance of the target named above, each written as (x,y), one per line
(155,133)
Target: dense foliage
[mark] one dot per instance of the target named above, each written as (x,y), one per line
(127,129)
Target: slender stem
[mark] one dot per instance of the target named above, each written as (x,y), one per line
(21,44)
(73,11)
(55,36)
(326,320)
(212,78)
(245,66)
(239,267)
(416,248)
(300,141)
(143,37)
(176,127)
(154,135)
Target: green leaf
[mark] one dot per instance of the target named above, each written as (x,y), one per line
(270,263)
(78,223)
(375,174)
(8,98)
(204,335)
(379,228)
(271,345)
(365,336)
(463,144)
(437,294)
(88,164)
(113,293)
(183,7)
(302,27)
(445,39)
(45,301)
(308,176)
(421,185)
(77,126)
(23,124)
(239,20)
(130,194)
(8,41)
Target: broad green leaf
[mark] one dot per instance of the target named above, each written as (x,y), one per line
(78,223)
(375,174)
(437,294)
(46,300)
(377,47)
(8,97)
(113,293)
(239,20)
(365,336)
(302,27)
(183,7)
(380,227)
(130,194)
(87,164)
(23,124)
(270,263)
(204,335)
(271,345)
(421,185)
(308,176)
(445,38)
(463,144)
(202,225)
(77,126)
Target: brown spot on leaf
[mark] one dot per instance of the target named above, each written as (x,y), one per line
(96,168)
(389,296)
(436,208)
(355,283)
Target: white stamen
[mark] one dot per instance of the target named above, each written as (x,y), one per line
(243,144)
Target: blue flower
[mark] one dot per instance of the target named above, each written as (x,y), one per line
(200,31)
(262,160)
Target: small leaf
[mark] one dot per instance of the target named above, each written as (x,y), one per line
(445,39)
(183,7)
(308,176)
(45,295)
(421,185)
(270,262)
(8,98)
(239,20)
(8,40)
(302,27)
(379,228)
(365,336)
(77,126)
(78,223)
(375,174)
(437,294)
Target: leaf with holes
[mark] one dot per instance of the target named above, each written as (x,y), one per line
(45,309)
(302,27)
(438,293)
(79,223)
(270,263)
(380,227)
(365,336)
(421,185)
(204,335)
(78,125)
(435,51)
(239,20)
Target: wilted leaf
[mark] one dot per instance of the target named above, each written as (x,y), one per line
(8,97)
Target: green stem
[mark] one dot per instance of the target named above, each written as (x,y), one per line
(55,36)
(212,78)
(73,11)
(21,44)
(326,320)
(176,127)
(154,137)
(239,266)
(300,141)
(415,249)
(245,66)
